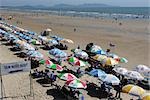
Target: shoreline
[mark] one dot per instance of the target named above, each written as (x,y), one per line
(84,14)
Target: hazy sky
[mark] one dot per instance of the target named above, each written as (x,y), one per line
(133,3)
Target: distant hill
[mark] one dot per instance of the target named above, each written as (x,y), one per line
(60,6)
(80,6)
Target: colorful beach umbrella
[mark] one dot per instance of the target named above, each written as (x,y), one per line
(110,79)
(99,57)
(109,61)
(49,63)
(81,54)
(72,60)
(123,60)
(120,70)
(134,75)
(95,48)
(97,72)
(80,63)
(67,41)
(101,52)
(145,96)
(35,42)
(67,76)
(55,67)
(133,90)
(143,70)
(42,61)
(76,83)
(58,53)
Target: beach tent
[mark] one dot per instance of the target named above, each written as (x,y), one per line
(76,83)
(145,70)
(97,72)
(120,70)
(110,79)
(133,90)
(145,96)
(134,75)
(67,76)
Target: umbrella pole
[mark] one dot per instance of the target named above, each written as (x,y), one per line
(1,84)
(31,86)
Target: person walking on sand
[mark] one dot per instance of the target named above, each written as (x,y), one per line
(118,89)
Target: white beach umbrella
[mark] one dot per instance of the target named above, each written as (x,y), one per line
(120,70)
(143,70)
(134,75)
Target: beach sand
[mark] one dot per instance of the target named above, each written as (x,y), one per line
(131,40)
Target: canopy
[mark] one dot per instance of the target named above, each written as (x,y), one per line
(143,70)
(76,83)
(145,96)
(120,70)
(97,72)
(110,79)
(134,75)
(133,90)
(67,76)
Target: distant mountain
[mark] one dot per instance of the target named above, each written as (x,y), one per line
(94,5)
(60,6)
(81,6)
